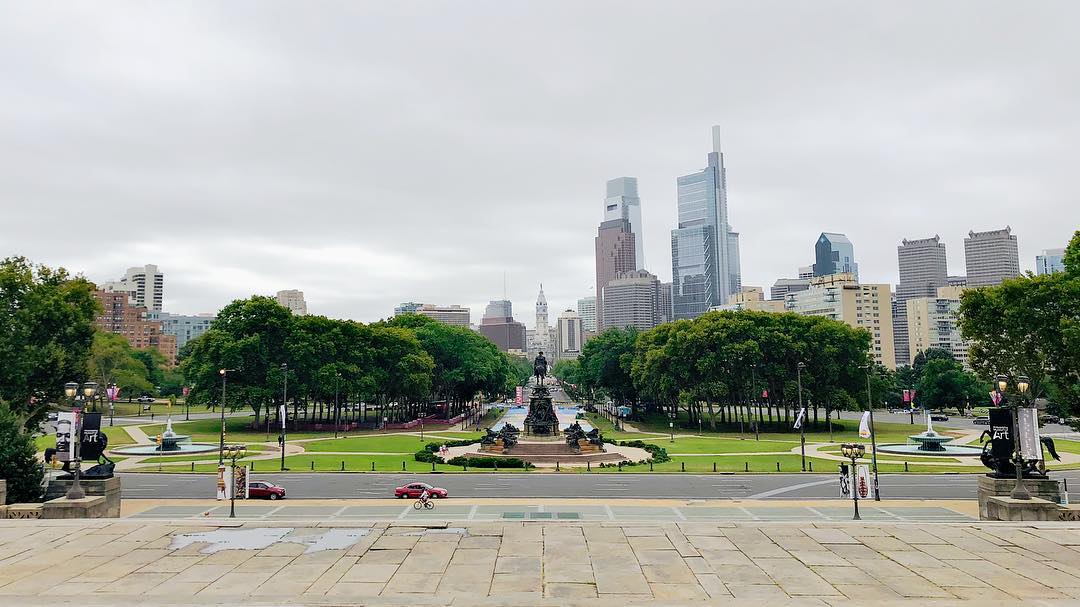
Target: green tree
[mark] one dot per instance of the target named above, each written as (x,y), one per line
(19,465)
(943,382)
(46,328)
(605,364)
(113,361)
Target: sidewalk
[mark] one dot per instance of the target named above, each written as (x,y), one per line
(128,562)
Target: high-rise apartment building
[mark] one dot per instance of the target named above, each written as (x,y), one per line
(499,326)
(183,327)
(632,299)
(569,335)
(1051,260)
(293,300)
(783,286)
(933,323)
(145,286)
(834,254)
(615,246)
(922,272)
(704,249)
(120,316)
(991,257)
(454,315)
(586,308)
(840,297)
(622,202)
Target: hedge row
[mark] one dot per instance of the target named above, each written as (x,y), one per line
(488,462)
(659,454)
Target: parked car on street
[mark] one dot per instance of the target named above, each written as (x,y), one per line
(265,490)
(939,417)
(146,399)
(981,421)
(413,491)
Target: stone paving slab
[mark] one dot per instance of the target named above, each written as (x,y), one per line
(400,562)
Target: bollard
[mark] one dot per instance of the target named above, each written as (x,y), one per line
(253,466)
(403,465)
(464,467)
(312,465)
(433,466)
(620,466)
(778,466)
(714,466)
(496,465)
(650,466)
(683,466)
(811,464)
(556,466)
(193,466)
(343,465)
(373,466)
(746,466)
(588,467)
(905,467)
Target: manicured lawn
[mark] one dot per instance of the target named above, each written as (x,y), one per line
(333,463)
(373,443)
(721,445)
(236,430)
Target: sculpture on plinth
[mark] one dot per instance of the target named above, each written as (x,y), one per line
(539,368)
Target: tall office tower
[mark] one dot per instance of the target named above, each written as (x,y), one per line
(614,254)
(956,281)
(991,257)
(1051,260)
(834,254)
(922,273)
(840,297)
(622,202)
(632,299)
(145,286)
(704,249)
(293,300)
(499,326)
(569,335)
(666,313)
(783,286)
(586,308)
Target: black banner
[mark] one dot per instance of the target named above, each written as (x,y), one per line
(1001,432)
(91,444)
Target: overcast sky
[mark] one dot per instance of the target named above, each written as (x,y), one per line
(374,153)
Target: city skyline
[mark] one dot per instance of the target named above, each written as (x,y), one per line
(261,173)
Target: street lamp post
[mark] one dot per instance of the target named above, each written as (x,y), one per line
(337,406)
(71,389)
(284,411)
(802,422)
(854,451)
(1019,492)
(234,452)
(873,431)
(221,451)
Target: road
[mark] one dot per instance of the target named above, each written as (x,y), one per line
(607,486)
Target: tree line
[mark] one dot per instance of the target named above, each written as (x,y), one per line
(399,366)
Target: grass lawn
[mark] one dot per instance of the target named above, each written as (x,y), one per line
(684,444)
(236,430)
(373,443)
(333,463)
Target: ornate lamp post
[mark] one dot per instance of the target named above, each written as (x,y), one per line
(802,423)
(224,375)
(1019,492)
(854,451)
(234,452)
(71,390)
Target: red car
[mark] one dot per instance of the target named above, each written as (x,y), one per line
(265,490)
(413,490)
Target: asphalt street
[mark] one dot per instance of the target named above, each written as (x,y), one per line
(608,485)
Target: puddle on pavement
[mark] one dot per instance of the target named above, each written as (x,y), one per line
(264,537)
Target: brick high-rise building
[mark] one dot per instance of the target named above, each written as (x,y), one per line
(119,316)
(499,326)
(615,253)
(922,273)
(991,257)
(632,299)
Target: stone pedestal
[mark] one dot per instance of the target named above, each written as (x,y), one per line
(24,511)
(108,488)
(1008,509)
(91,506)
(1046,489)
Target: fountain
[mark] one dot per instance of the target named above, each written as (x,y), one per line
(171,443)
(930,443)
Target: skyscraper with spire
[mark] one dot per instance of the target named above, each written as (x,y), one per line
(540,338)
(622,202)
(704,248)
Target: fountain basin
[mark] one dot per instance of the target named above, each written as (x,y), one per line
(940,450)
(176,444)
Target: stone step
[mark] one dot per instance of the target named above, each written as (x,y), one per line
(560,448)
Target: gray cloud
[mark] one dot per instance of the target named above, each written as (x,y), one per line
(372,153)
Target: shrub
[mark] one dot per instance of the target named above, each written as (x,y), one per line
(427,457)
(487,462)
(434,447)
(18,459)
(659,454)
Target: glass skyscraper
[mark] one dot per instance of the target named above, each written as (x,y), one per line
(704,249)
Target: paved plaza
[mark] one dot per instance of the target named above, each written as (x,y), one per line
(505,562)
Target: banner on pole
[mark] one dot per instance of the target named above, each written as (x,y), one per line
(799,419)
(65,437)
(281,415)
(113,392)
(864,425)
(1030,447)
(845,481)
(221,486)
(907,396)
(764,394)
(517,396)
(995,397)
(862,480)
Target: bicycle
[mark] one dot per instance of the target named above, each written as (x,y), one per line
(418,504)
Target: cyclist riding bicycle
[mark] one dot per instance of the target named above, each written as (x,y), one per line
(425,496)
